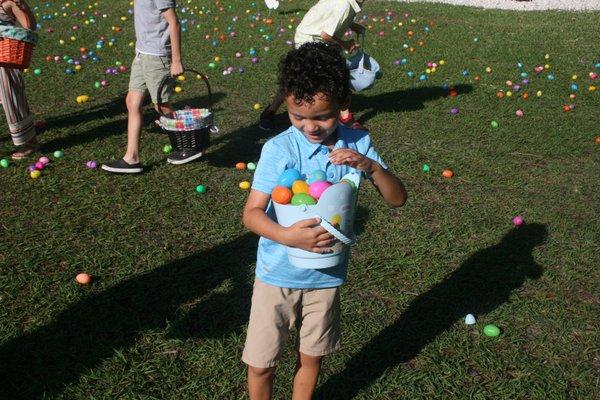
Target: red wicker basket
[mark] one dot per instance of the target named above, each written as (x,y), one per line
(15,53)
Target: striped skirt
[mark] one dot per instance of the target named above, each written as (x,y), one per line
(14,102)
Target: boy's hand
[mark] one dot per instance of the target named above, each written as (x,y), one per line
(352,159)
(176,68)
(310,236)
(351,45)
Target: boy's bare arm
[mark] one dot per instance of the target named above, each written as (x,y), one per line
(303,234)
(175,34)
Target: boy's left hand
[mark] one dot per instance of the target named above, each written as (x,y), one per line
(352,159)
(176,68)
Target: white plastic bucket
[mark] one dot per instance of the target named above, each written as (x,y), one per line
(336,206)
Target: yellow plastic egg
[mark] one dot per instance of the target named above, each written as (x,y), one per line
(178,89)
(35,174)
(299,186)
(244,185)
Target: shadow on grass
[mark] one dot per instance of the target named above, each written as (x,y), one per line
(402,100)
(480,285)
(40,363)
(115,127)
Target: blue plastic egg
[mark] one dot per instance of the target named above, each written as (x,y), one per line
(316,176)
(288,177)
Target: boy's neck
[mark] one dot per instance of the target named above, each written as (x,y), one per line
(331,139)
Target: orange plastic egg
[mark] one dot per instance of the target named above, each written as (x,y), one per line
(566,108)
(598,140)
(448,173)
(241,166)
(500,94)
(281,195)
(83,278)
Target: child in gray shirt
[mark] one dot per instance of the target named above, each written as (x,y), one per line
(158,54)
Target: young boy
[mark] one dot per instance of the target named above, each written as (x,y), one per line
(327,21)
(314,81)
(158,54)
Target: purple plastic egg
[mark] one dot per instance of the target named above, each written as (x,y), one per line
(91,164)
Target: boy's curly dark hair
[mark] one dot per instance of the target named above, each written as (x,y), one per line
(314,68)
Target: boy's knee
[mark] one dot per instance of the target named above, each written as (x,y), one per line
(261,373)
(134,100)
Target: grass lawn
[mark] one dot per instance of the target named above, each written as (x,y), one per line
(166,314)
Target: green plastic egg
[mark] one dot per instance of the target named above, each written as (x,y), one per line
(491,330)
(4,163)
(303,198)
(200,189)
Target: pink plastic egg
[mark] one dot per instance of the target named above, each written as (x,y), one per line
(317,188)
(44,160)
(518,220)
(39,165)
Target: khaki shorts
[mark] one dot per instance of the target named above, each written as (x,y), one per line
(314,312)
(147,72)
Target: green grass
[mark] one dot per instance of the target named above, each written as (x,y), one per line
(166,314)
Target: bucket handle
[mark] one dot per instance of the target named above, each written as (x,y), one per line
(336,233)
(169,77)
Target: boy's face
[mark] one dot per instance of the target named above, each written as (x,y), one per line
(317,121)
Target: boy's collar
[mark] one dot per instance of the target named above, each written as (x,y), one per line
(315,148)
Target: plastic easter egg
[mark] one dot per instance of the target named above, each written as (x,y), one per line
(281,195)
(251,166)
(491,330)
(37,71)
(244,185)
(240,166)
(83,278)
(470,319)
(200,189)
(35,174)
(303,198)
(447,173)
(494,124)
(167,148)
(4,163)
(299,186)
(39,165)
(426,168)
(91,164)
(317,188)
(257,106)
(317,175)
(518,220)
(44,160)
(519,113)
(288,177)
(454,111)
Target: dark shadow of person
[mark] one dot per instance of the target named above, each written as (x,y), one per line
(402,100)
(114,127)
(41,363)
(480,285)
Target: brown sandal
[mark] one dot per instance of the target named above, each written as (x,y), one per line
(26,152)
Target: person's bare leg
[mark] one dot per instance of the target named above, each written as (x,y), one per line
(134,102)
(306,376)
(260,382)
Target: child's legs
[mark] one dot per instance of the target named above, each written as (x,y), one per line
(134,101)
(318,335)
(272,314)
(14,102)
(306,376)
(260,382)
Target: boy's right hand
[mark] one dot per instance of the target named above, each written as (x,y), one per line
(176,68)
(310,236)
